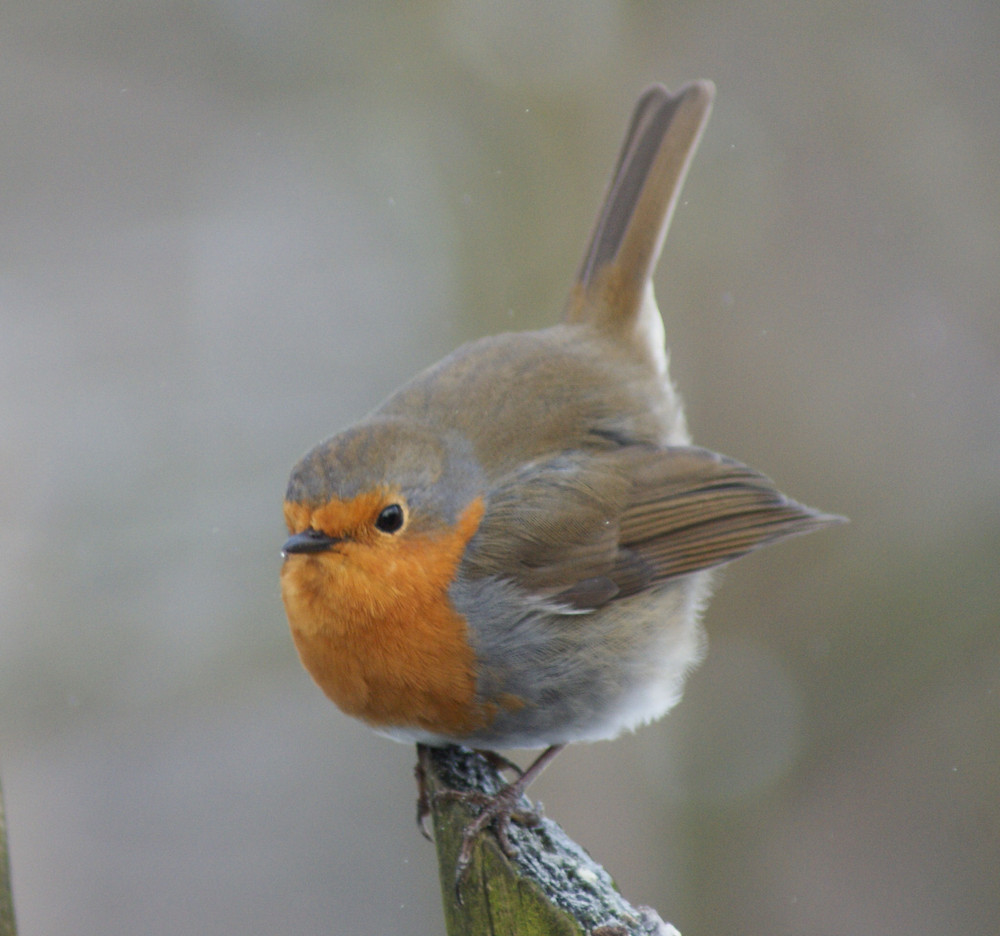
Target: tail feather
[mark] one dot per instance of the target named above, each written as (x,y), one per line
(633,222)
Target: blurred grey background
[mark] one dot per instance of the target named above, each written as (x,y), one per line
(229,228)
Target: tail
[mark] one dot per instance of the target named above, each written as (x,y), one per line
(627,239)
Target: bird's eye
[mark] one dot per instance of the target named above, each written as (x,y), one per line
(390,519)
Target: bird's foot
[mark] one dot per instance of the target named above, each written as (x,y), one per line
(496,810)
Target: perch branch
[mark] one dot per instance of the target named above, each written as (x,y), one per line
(8,926)
(551,886)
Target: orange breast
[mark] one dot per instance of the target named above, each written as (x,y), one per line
(373,624)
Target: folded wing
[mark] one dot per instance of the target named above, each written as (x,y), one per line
(584,529)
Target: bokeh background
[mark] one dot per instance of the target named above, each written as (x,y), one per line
(230,228)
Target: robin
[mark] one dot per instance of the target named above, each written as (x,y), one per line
(513,549)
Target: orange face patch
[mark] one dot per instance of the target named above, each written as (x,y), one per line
(372,620)
(353,518)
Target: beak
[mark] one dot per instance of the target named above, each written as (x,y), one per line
(308,541)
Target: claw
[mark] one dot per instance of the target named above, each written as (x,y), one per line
(423,797)
(496,811)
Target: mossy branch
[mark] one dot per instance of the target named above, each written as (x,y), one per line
(551,887)
(8,926)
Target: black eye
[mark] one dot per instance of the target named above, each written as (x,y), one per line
(390,519)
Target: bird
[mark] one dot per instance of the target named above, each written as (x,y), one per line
(515,548)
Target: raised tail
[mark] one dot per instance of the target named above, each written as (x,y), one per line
(664,133)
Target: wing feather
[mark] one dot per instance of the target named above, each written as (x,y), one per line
(588,528)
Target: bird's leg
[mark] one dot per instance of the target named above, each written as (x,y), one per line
(498,762)
(497,810)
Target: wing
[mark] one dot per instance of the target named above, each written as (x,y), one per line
(584,529)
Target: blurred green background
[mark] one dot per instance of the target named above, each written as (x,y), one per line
(229,228)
